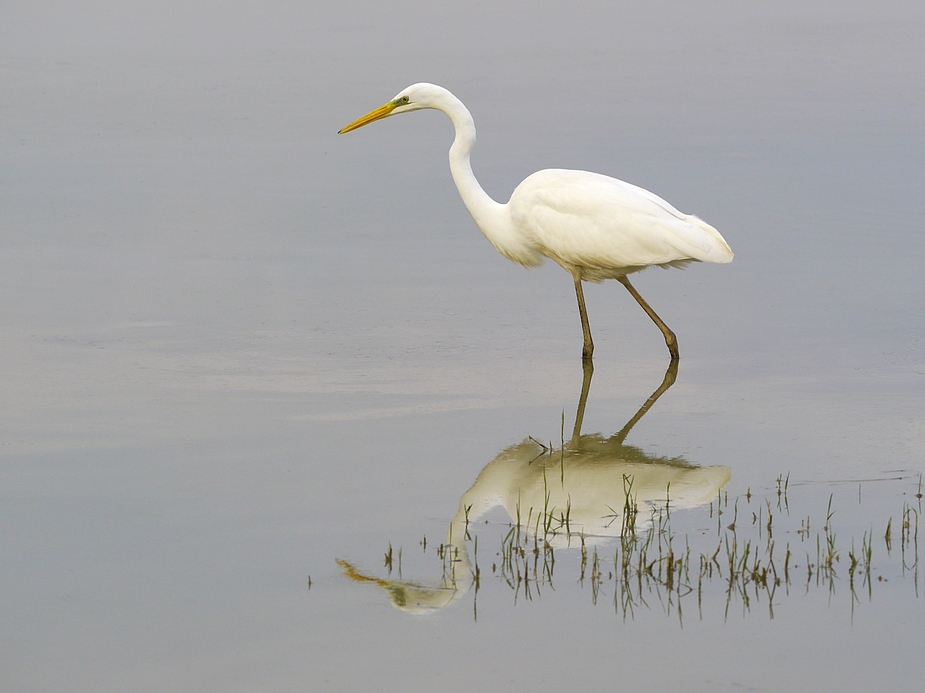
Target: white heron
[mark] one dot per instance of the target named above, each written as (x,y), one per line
(595,227)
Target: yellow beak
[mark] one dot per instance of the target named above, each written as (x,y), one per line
(381,112)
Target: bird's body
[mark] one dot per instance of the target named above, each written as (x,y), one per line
(631,229)
(594,226)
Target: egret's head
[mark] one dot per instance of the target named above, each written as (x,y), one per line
(414,98)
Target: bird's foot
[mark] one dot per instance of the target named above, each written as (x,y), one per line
(672,343)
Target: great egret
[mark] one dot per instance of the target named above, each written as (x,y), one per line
(595,227)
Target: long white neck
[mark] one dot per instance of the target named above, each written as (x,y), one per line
(491,217)
(480,205)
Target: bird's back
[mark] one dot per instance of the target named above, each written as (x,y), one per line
(605,227)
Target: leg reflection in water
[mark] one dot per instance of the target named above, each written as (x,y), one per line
(593,490)
(588,372)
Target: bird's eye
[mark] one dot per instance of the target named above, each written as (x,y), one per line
(404,99)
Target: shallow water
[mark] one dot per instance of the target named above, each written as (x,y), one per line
(238,348)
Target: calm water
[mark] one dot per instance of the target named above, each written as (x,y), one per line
(245,360)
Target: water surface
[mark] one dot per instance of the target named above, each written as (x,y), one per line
(238,348)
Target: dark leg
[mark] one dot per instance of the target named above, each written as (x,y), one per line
(588,347)
(670,339)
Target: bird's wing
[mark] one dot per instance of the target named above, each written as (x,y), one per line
(593,221)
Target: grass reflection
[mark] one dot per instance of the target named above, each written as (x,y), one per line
(638,532)
(758,553)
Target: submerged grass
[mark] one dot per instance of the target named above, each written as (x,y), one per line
(760,556)
(654,564)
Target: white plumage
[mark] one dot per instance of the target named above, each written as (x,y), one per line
(594,226)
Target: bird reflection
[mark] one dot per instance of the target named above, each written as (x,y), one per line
(592,490)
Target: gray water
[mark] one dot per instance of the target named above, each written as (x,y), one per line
(237,348)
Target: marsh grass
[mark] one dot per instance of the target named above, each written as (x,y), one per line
(738,555)
(760,561)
